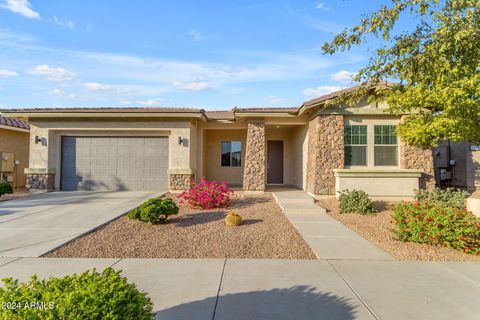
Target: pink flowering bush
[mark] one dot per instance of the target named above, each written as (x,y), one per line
(207,195)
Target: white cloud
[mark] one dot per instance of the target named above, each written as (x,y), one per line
(52,74)
(144,103)
(322,6)
(103,87)
(320,91)
(276,100)
(192,85)
(343,76)
(196,35)
(62,94)
(7,73)
(63,23)
(22,7)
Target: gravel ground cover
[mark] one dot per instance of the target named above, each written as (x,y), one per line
(377,229)
(265,233)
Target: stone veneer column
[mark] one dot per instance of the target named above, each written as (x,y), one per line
(325,153)
(254,169)
(180,179)
(40,179)
(412,157)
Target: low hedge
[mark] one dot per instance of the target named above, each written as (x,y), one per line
(154,210)
(424,223)
(355,201)
(449,198)
(90,295)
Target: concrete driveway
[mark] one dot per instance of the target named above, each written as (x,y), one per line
(32,226)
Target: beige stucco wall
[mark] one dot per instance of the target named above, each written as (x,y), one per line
(18,143)
(300,152)
(49,156)
(393,184)
(212,155)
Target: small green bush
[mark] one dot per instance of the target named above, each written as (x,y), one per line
(5,187)
(134,214)
(90,295)
(448,198)
(423,223)
(355,201)
(154,210)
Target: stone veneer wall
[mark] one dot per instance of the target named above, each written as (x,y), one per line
(181,181)
(325,153)
(254,169)
(40,181)
(412,157)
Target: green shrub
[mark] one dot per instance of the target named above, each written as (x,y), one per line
(355,201)
(448,198)
(423,223)
(154,210)
(134,214)
(90,295)
(5,187)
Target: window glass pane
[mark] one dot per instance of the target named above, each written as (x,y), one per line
(226,149)
(355,155)
(386,155)
(355,135)
(236,153)
(385,134)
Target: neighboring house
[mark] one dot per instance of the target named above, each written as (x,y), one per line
(314,147)
(14,148)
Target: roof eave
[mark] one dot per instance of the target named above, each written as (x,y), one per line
(32,115)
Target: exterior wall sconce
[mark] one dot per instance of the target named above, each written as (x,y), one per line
(43,141)
(180,140)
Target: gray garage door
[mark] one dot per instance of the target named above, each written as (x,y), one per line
(114,163)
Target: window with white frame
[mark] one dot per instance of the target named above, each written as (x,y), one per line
(386,146)
(370,145)
(355,147)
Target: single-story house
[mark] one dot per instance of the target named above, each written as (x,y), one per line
(317,147)
(14,148)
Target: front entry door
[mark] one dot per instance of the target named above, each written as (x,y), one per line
(275,162)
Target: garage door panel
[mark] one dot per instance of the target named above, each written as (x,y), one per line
(114,163)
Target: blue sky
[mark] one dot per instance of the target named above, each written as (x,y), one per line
(208,54)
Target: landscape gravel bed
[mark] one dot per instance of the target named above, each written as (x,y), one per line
(193,233)
(377,229)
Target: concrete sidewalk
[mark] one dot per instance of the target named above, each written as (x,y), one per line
(32,226)
(329,238)
(238,289)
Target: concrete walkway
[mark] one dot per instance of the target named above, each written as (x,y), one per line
(32,226)
(329,238)
(238,289)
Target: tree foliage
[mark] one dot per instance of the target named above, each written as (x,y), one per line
(436,66)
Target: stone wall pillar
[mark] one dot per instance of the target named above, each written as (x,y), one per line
(40,179)
(254,169)
(325,153)
(180,179)
(412,157)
